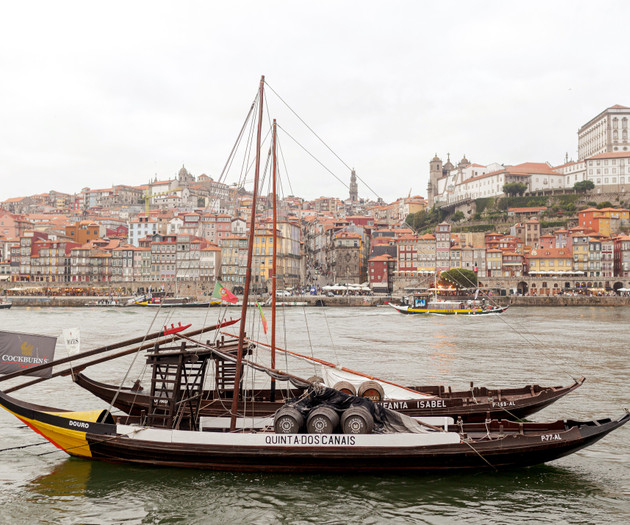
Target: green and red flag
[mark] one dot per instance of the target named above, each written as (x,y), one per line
(222,293)
(262,317)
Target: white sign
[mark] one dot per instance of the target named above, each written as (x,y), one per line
(72,339)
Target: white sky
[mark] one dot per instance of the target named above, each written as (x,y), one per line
(95,94)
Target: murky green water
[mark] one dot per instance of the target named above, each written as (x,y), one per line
(544,345)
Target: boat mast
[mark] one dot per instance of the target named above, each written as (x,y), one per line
(248,272)
(274,282)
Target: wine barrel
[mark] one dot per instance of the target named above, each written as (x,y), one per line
(288,420)
(322,420)
(372,390)
(357,420)
(346,388)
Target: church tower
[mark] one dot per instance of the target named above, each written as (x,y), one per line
(354,188)
(184,177)
(435,172)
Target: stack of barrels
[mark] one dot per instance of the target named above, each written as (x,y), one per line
(326,420)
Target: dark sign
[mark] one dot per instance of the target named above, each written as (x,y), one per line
(20,351)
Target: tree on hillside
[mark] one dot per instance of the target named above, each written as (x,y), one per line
(605,204)
(460,277)
(514,188)
(425,218)
(458,216)
(584,185)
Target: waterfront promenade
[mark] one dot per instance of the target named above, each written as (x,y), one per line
(340,301)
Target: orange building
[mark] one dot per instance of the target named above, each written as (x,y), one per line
(605,221)
(83,231)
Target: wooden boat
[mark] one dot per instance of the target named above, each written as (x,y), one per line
(172,302)
(476,404)
(491,445)
(324,431)
(5,305)
(427,304)
(107,303)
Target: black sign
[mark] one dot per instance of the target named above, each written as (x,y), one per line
(20,351)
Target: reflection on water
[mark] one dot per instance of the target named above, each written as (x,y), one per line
(524,346)
(164,495)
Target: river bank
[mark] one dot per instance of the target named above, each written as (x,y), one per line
(336,301)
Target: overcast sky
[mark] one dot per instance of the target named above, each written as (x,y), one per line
(96,94)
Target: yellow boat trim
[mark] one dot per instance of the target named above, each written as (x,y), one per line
(445,310)
(88,415)
(73,442)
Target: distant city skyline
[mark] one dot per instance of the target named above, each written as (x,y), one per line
(385,89)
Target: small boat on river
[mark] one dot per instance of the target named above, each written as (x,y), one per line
(107,302)
(5,305)
(158,301)
(429,304)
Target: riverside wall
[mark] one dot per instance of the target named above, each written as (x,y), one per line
(45,295)
(345,301)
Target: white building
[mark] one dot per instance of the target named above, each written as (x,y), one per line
(537,176)
(610,172)
(209,263)
(573,172)
(605,133)
(140,227)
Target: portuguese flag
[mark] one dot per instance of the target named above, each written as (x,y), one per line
(221,292)
(262,317)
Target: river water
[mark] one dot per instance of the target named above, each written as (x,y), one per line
(524,346)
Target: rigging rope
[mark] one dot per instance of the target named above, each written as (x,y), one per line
(323,142)
(313,156)
(310,343)
(332,342)
(524,333)
(25,446)
(109,409)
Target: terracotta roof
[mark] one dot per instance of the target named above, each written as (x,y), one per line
(407,237)
(613,209)
(528,209)
(551,253)
(527,168)
(611,155)
(384,257)
(572,163)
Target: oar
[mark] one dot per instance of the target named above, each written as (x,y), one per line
(96,351)
(332,365)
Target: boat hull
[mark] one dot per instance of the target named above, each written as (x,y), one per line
(476,404)
(504,444)
(448,311)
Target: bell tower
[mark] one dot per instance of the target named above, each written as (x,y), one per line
(435,172)
(354,187)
